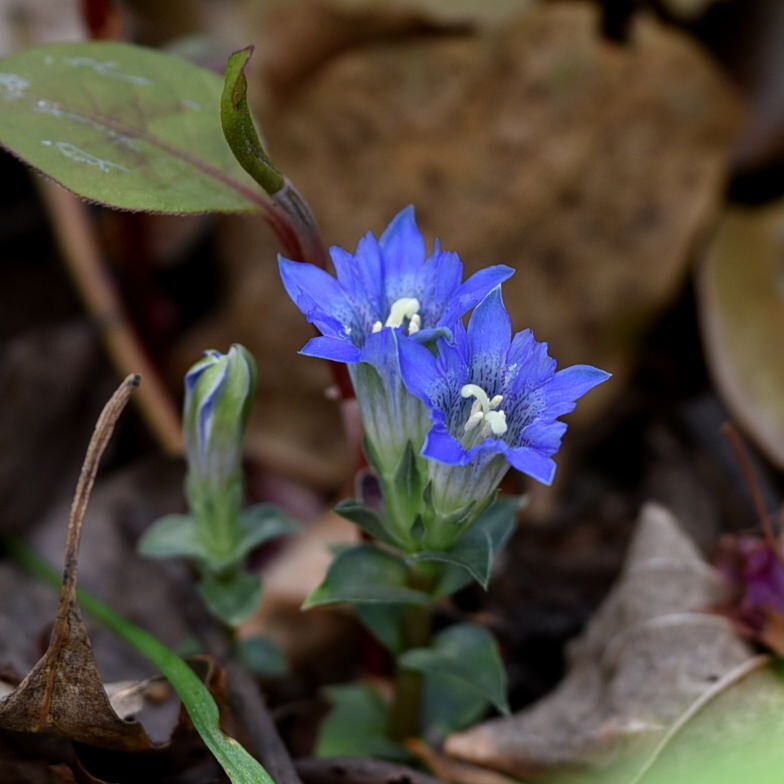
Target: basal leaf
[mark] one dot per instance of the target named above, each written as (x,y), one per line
(357,725)
(467,654)
(122,125)
(366,575)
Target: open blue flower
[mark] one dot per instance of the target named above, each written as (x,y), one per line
(494,400)
(389,289)
(389,282)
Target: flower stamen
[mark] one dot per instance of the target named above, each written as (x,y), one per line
(484,410)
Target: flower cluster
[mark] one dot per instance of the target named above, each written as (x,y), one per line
(470,402)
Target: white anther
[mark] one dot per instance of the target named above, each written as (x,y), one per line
(474,390)
(497,422)
(484,410)
(415,324)
(377,326)
(473,421)
(402,309)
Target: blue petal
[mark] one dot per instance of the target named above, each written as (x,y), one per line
(570,384)
(418,367)
(474,290)
(381,351)
(529,364)
(362,276)
(444,447)
(403,252)
(531,462)
(319,296)
(441,278)
(544,436)
(489,334)
(331,348)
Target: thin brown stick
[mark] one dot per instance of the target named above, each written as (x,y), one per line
(752,483)
(82,257)
(104,428)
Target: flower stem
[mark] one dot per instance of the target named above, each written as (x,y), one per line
(404,716)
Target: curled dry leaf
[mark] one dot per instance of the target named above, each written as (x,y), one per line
(740,290)
(652,651)
(63,693)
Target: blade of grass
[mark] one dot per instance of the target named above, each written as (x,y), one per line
(239,765)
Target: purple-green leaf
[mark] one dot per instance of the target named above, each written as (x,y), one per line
(124,126)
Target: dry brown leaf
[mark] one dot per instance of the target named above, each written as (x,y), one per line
(63,693)
(589,166)
(651,652)
(741,299)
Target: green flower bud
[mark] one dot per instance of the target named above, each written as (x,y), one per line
(219,391)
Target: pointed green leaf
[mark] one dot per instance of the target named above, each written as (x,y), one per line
(232,598)
(469,655)
(448,705)
(260,524)
(172,536)
(263,656)
(473,555)
(385,623)
(366,518)
(366,575)
(239,128)
(357,725)
(125,126)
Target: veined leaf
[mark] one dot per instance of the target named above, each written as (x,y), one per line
(366,575)
(468,655)
(125,126)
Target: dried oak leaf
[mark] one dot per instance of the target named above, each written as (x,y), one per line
(63,693)
(650,653)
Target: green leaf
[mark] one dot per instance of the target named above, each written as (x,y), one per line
(366,518)
(172,536)
(385,623)
(239,129)
(448,705)
(366,575)
(260,524)
(357,725)
(234,597)
(240,767)
(469,655)
(474,553)
(263,656)
(125,126)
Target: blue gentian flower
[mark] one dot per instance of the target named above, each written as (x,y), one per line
(389,289)
(494,401)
